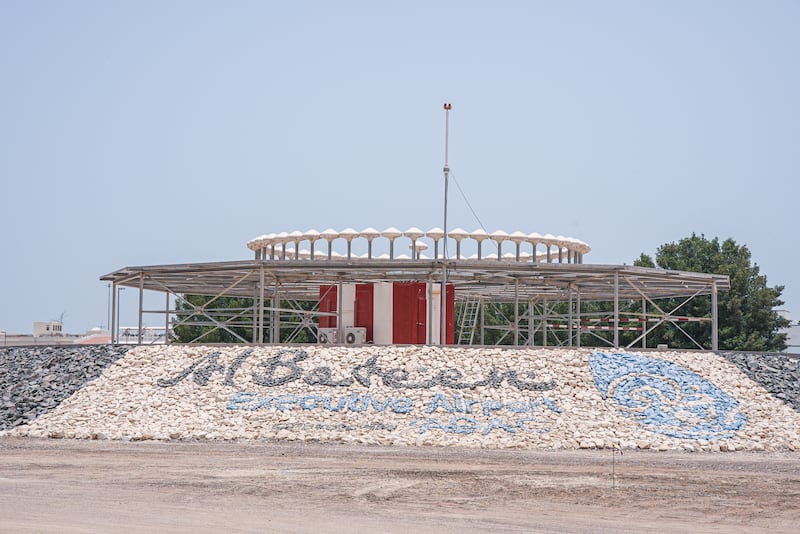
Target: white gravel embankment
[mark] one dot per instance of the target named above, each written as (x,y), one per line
(411,395)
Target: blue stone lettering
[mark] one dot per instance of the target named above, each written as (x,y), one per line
(551,405)
(459,403)
(380,406)
(665,397)
(283,402)
(240,398)
(304,402)
(355,406)
(402,405)
(496,422)
(427,424)
(342,404)
(521,423)
(470,403)
(262,402)
(442,403)
(489,405)
(353,402)
(439,401)
(463,424)
(518,406)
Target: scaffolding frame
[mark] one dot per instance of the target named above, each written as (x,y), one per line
(277,286)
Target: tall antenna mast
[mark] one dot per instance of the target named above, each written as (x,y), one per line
(443,325)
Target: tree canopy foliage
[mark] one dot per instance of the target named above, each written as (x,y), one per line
(747,315)
(206,319)
(194,324)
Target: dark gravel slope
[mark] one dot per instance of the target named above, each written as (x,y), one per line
(776,372)
(34,380)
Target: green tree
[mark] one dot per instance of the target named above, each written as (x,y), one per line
(206,319)
(747,318)
(198,318)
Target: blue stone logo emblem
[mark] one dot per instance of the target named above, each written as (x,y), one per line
(665,397)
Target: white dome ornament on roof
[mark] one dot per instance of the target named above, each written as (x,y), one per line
(286,246)
(413,234)
(348,234)
(312,236)
(517,238)
(329,235)
(436,234)
(370,234)
(391,234)
(458,234)
(499,236)
(296,237)
(480,236)
(282,238)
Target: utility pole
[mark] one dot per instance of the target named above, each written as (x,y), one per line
(443,326)
(108,323)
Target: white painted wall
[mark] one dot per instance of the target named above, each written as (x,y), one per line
(348,305)
(383,300)
(434,309)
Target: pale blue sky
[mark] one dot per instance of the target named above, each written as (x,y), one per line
(136,133)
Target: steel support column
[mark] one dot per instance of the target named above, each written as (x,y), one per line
(166,320)
(714,318)
(516,310)
(482,306)
(531,329)
(429,322)
(644,323)
(114,318)
(578,344)
(276,316)
(569,317)
(339,301)
(141,306)
(261,306)
(616,309)
(256,305)
(544,322)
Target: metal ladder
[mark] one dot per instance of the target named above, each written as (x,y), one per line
(468,320)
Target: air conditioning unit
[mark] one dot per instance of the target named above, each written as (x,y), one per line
(327,335)
(355,335)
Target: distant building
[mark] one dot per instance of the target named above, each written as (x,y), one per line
(151,335)
(51,328)
(95,336)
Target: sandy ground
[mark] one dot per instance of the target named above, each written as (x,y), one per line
(97,486)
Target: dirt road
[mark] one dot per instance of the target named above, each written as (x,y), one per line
(102,486)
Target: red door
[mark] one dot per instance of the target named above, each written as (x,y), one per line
(408,313)
(451,315)
(363,308)
(327,303)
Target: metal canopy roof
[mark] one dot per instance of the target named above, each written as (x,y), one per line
(494,281)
